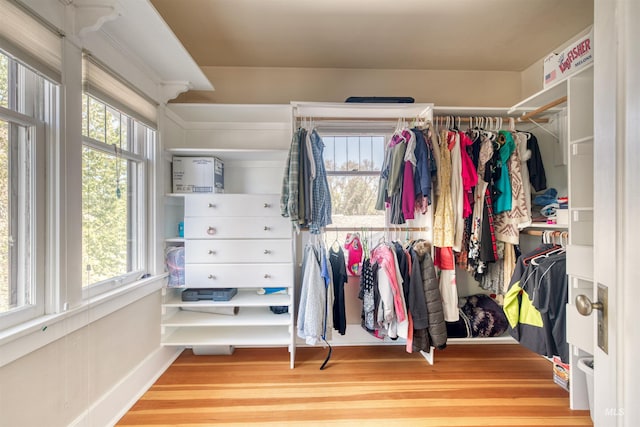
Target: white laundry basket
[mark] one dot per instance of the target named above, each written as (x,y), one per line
(586,365)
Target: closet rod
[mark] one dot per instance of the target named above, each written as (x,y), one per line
(542,109)
(398,228)
(359,119)
(542,232)
(505,119)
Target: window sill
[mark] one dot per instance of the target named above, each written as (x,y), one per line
(23,339)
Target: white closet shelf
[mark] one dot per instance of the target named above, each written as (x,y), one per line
(247,316)
(547,95)
(272,336)
(244,154)
(587,139)
(241,299)
(174,240)
(544,225)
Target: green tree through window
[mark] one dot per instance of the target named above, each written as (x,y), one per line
(111,194)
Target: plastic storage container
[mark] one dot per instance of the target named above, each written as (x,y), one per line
(586,365)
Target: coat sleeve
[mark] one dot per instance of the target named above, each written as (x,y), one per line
(437,326)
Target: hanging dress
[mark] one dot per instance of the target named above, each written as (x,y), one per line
(457,194)
(443,222)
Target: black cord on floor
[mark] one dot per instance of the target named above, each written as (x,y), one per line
(324,364)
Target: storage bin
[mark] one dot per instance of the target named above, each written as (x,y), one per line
(586,365)
(198,175)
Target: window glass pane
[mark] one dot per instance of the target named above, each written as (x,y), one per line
(97,112)
(4,81)
(112,124)
(377,151)
(353,153)
(126,124)
(353,200)
(329,153)
(107,240)
(5,220)
(85,115)
(366,163)
(341,153)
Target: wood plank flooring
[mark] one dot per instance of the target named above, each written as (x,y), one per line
(469,385)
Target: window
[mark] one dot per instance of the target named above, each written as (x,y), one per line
(22,202)
(115,147)
(353,164)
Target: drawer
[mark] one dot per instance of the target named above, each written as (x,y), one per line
(238,275)
(238,251)
(255,205)
(237,228)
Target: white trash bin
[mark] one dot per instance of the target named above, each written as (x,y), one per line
(586,365)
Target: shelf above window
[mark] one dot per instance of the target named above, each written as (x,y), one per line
(232,154)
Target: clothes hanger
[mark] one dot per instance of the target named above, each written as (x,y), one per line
(335,246)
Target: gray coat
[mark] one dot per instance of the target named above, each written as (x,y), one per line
(437,327)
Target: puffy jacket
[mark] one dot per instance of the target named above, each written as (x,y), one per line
(437,327)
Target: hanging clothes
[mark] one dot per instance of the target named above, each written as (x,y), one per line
(290,187)
(321,196)
(423,170)
(535,166)
(503,185)
(509,222)
(393,313)
(316,297)
(443,220)
(535,304)
(457,193)
(339,277)
(369,295)
(437,330)
(468,173)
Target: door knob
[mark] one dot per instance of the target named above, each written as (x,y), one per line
(585,306)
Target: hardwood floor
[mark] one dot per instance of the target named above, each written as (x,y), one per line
(469,385)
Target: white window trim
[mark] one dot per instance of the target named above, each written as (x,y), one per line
(35,129)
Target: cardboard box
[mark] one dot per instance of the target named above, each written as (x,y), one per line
(198,175)
(558,66)
(561,373)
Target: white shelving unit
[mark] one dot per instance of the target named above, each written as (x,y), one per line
(578,89)
(233,240)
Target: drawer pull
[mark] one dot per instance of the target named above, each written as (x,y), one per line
(267,228)
(267,205)
(211,276)
(212,252)
(211,205)
(267,252)
(267,276)
(211,231)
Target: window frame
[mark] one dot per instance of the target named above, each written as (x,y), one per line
(137,135)
(36,244)
(356,131)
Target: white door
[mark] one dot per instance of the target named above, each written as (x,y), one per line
(617,207)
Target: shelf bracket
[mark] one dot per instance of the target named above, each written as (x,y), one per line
(556,137)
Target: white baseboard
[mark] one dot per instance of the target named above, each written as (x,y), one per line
(112,406)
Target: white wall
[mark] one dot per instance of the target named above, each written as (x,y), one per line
(87,364)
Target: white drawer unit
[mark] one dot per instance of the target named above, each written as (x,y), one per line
(241,205)
(238,275)
(237,251)
(237,227)
(234,241)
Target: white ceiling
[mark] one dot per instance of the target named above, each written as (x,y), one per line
(505,35)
